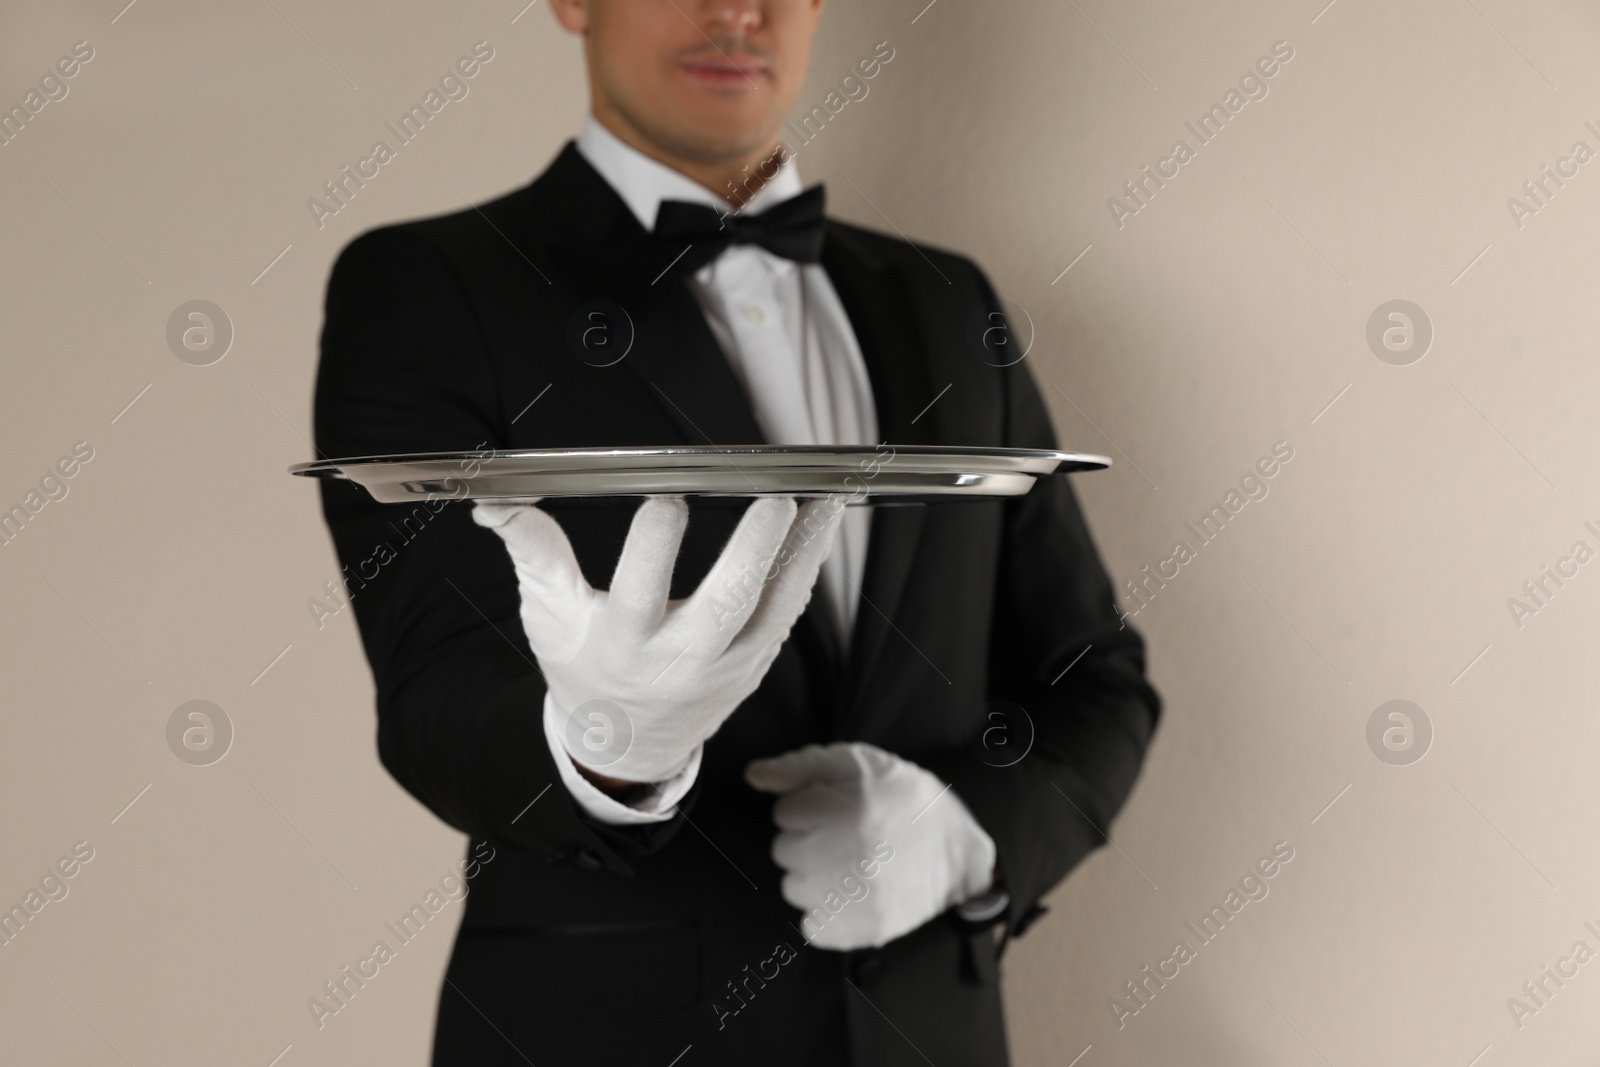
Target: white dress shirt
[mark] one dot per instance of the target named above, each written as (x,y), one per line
(787,337)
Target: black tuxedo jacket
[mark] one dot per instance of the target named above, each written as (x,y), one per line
(588,944)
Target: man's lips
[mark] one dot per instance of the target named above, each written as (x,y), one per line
(724,73)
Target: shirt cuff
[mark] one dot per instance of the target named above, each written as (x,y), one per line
(659,805)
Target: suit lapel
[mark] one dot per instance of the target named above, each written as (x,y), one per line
(611,257)
(678,360)
(883,318)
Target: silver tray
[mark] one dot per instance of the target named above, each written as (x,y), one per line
(900,473)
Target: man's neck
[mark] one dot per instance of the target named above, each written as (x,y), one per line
(735,180)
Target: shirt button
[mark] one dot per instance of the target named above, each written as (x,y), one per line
(754,315)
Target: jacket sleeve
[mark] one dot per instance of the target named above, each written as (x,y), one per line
(405,368)
(1059,649)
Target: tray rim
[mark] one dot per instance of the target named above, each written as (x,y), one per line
(331,467)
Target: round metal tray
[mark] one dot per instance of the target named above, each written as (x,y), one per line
(862,474)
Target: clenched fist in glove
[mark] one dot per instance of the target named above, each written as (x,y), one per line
(675,670)
(874,845)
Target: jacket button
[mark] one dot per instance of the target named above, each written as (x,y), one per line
(586,859)
(866,967)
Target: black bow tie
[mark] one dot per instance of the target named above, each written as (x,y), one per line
(791,229)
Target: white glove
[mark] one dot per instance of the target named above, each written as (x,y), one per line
(874,845)
(643,682)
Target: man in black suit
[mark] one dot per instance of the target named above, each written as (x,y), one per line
(634,918)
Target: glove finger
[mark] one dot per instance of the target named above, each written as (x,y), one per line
(803,766)
(784,849)
(804,890)
(820,927)
(811,857)
(850,931)
(854,925)
(643,578)
(721,605)
(817,806)
(833,936)
(485,513)
(542,556)
(786,595)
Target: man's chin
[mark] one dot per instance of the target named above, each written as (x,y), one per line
(715,138)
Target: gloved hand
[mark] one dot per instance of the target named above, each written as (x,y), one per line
(674,671)
(874,845)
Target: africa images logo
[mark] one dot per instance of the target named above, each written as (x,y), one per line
(1252,888)
(453,86)
(1252,85)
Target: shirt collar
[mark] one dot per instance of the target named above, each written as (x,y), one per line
(643,183)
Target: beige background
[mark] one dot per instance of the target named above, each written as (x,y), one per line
(1223,318)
